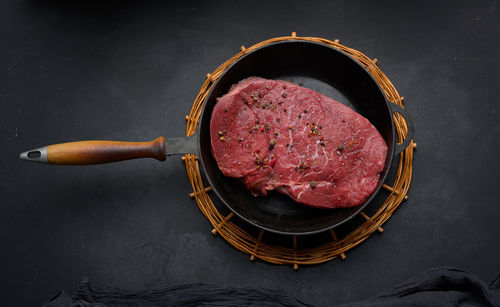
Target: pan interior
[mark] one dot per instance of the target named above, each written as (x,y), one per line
(320,68)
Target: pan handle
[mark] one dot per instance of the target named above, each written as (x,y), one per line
(96,152)
(409,122)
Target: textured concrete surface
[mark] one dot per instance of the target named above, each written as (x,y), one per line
(131,71)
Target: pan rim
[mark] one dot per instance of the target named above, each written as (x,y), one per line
(389,158)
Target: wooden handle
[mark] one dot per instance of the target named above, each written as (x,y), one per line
(97,152)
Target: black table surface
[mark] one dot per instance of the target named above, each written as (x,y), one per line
(130,71)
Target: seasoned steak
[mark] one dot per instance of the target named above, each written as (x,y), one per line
(275,135)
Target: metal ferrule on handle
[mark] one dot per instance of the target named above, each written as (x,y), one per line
(35,155)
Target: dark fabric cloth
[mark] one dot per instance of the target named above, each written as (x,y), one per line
(436,287)
(186,295)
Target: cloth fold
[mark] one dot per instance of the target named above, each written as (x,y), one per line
(198,294)
(443,286)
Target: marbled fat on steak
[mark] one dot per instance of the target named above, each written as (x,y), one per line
(275,135)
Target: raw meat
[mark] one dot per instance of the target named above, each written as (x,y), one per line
(275,135)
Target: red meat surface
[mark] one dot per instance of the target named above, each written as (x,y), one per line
(275,135)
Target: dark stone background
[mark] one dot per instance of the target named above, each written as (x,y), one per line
(130,71)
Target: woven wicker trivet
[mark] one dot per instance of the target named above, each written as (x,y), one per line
(256,246)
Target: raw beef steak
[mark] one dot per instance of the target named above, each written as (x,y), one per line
(275,135)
